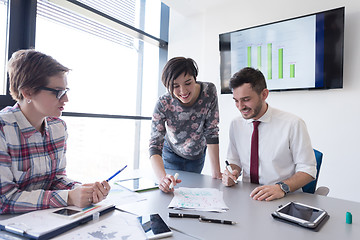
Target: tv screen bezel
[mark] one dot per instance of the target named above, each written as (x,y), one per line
(332,81)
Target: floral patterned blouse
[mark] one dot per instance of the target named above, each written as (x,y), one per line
(187,129)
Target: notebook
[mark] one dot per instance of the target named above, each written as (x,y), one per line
(44,224)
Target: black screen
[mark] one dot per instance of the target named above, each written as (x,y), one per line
(66,212)
(302,212)
(153,225)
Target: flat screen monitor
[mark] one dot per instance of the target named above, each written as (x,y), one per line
(305,52)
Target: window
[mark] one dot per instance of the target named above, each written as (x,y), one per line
(114,81)
(3,47)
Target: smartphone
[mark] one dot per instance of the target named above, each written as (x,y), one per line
(154,226)
(302,214)
(67,212)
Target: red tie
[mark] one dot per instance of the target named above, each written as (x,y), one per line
(254,158)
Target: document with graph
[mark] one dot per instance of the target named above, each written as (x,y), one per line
(200,199)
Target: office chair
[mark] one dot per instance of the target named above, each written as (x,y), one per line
(311,186)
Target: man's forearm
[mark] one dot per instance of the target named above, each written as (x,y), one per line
(298,180)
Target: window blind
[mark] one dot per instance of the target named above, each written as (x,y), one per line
(121,10)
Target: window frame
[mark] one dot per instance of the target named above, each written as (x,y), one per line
(21,35)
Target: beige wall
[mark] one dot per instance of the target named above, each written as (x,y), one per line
(331,115)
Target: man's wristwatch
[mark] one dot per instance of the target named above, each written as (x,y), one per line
(284,187)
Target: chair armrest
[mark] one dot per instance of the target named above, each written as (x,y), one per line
(324,191)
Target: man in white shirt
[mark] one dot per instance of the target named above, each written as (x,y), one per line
(286,160)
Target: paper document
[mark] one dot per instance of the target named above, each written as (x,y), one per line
(200,199)
(118,225)
(119,196)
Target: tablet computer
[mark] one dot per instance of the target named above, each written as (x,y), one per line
(302,214)
(154,226)
(138,184)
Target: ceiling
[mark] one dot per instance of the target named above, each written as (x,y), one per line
(191,7)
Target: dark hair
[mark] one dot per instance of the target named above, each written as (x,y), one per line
(249,75)
(174,68)
(30,69)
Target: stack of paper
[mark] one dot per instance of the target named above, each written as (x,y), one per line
(200,199)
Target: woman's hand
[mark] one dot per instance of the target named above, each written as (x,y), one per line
(101,190)
(88,193)
(217,175)
(81,196)
(166,181)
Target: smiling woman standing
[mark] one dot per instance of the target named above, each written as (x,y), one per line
(33,140)
(184,124)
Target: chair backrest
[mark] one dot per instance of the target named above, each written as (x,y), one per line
(311,186)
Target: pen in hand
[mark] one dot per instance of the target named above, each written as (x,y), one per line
(116,174)
(172,184)
(230,169)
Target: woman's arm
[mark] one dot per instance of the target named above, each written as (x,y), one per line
(158,166)
(213,150)
(164,179)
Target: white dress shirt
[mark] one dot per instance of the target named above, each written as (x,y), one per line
(284,146)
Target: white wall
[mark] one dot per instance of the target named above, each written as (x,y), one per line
(331,115)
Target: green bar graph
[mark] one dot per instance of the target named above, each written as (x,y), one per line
(281,62)
(259,57)
(249,56)
(292,70)
(269,61)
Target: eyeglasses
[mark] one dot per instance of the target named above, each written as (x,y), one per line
(59,93)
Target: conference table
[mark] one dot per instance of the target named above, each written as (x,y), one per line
(254,220)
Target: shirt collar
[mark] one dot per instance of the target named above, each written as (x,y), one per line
(264,118)
(24,125)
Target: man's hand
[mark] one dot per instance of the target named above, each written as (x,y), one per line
(272,192)
(267,193)
(228,179)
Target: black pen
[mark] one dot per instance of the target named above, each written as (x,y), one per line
(230,169)
(202,219)
(183,215)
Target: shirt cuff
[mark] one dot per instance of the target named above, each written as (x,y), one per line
(154,151)
(214,140)
(64,194)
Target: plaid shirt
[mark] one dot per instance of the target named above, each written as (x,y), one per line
(32,165)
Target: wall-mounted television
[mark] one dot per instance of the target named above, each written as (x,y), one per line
(305,52)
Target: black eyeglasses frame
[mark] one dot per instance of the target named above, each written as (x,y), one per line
(59,93)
